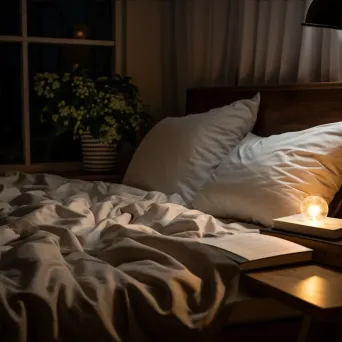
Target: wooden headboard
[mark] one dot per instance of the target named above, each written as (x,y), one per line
(283,109)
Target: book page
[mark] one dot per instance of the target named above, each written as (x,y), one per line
(251,246)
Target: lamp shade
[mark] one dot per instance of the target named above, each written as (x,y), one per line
(325,13)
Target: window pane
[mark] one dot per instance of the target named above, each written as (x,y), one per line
(11,149)
(91,19)
(10,17)
(46,146)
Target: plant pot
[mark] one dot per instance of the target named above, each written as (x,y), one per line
(99,157)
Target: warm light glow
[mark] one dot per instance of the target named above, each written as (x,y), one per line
(311,287)
(314,208)
(80,35)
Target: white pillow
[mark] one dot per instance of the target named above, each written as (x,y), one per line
(179,154)
(267,178)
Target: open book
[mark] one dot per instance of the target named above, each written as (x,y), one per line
(253,251)
(329,228)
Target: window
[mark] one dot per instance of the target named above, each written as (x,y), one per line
(11,151)
(52,36)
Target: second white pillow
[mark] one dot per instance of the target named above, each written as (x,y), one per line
(266,178)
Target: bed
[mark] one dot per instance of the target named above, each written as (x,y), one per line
(85,261)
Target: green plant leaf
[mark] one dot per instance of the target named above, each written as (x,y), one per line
(77,125)
(61,130)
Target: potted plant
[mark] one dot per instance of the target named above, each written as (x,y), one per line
(102,113)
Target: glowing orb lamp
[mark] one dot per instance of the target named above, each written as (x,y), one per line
(314,208)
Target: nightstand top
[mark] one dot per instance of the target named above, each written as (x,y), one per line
(313,289)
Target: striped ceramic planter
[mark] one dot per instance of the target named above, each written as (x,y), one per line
(98,157)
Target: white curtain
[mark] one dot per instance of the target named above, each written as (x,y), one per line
(242,42)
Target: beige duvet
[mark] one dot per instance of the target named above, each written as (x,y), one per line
(90,261)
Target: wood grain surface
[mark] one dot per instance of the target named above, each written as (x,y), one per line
(315,290)
(283,109)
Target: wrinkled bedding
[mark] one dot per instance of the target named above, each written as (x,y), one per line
(93,261)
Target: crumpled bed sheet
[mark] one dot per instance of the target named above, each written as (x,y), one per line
(94,261)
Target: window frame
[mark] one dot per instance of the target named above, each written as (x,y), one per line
(25,40)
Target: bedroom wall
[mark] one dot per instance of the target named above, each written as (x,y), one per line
(143,48)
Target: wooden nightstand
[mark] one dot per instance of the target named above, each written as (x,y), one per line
(311,289)
(326,252)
